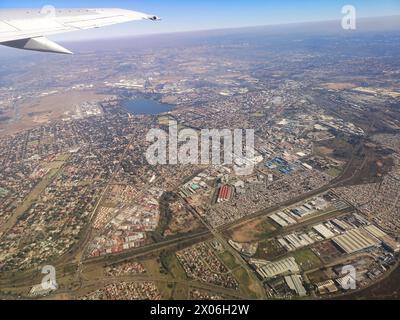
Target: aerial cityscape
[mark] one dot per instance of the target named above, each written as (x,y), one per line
(317,217)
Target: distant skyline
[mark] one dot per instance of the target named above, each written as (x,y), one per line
(191,15)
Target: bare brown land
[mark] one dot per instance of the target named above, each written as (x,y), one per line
(252,230)
(39,111)
(339,86)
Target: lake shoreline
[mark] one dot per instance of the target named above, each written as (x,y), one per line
(143,106)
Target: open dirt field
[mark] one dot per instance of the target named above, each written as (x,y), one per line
(253,230)
(39,111)
(339,86)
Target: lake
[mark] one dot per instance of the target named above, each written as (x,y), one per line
(146,106)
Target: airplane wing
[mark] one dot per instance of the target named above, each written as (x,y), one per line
(26,28)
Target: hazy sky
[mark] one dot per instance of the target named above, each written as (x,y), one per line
(187,15)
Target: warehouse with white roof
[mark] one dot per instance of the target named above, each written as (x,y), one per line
(355,240)
(273,269)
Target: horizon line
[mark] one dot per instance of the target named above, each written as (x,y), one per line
(226,29)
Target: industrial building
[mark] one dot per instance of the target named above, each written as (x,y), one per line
(279,220)
(346,281)
(344,226)
(289,219)
(296,241)
(272,269)
(295,283)
(307,166)
(388,242)
(327,286)
(282,219)
(355,240)
(225,193)
(324,231)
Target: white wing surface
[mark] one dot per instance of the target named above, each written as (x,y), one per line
(26,28)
